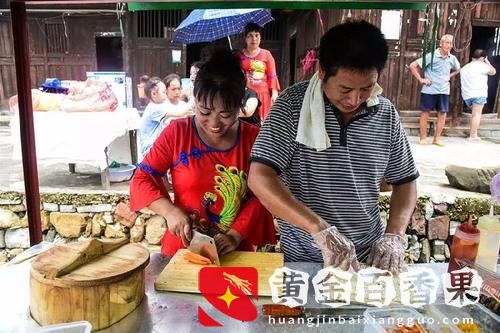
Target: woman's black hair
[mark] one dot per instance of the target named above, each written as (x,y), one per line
(354,45)
(250,27)
(151,85)
(197,64)
(221,75)
(171,77)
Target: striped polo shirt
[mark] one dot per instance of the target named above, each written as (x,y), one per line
(341,184)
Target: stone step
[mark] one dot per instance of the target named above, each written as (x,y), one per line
(416,113)
(464,121)
(457,131)
(5,120)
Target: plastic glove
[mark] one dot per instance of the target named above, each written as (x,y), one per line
(226,243)
(388,252)
(337,250)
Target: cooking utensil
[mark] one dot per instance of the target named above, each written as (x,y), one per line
(205,246)
(31,252)
(92,250)
(353,310)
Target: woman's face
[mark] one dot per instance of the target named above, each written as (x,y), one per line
(193,71)
(252,39)
(174,91)
(216,122)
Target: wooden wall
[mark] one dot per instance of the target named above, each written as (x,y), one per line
(7,69)
(52,53)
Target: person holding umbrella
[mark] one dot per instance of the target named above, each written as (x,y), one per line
(260,69)
(208,155)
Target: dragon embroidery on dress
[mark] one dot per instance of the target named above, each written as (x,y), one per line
(231,187)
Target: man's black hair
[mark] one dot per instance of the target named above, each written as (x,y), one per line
(250,27)
(221,76)
(478,53)
(354,45)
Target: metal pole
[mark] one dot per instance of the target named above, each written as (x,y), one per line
(21,55)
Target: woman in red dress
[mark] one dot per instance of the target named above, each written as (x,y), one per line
(260,69)
(208,156)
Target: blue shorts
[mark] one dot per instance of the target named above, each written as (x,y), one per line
(438,102)
(475,100)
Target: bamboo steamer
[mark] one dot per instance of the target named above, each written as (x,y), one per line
(101,291)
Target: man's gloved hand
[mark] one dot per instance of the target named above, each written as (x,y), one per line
(337,250)
(388,252)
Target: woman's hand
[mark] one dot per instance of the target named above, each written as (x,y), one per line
(228,242)
(179,224)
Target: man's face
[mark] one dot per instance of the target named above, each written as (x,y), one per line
(348,89)
(446,44)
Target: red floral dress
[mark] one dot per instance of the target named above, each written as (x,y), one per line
(207,182)
(260,71)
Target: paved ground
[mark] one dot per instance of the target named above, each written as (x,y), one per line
(431,161)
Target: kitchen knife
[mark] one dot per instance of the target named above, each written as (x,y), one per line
(205,246)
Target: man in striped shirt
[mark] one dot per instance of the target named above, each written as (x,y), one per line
(326,200)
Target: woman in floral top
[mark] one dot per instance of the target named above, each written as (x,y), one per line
(208,157)
(260,69)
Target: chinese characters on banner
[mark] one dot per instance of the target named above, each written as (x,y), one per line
(334,287)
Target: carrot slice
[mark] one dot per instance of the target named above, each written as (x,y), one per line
(196,258)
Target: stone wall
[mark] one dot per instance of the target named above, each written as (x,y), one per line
(66,217)
(434,222)
(69,217)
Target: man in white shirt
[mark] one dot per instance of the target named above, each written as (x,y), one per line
(474,82)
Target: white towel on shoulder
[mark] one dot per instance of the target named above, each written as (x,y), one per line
(311,129)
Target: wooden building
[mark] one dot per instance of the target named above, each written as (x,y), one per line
(303,30)
(66,43)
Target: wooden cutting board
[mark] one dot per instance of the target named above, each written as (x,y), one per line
(101,291)
(181,275)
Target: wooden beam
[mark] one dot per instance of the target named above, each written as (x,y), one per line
(233,1)
(21,55)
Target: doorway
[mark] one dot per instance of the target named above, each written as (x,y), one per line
(109,53)
(488,38)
